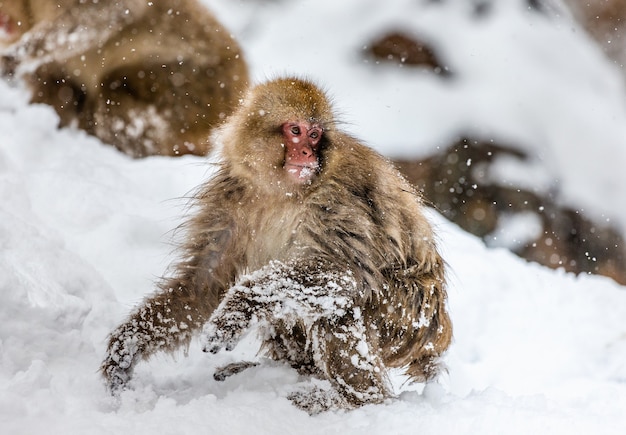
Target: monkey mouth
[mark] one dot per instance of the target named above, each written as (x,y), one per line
(301,173)
(7,29)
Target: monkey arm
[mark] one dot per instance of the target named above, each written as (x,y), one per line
(321,299)
(168,319)
(283,292)
(72,32)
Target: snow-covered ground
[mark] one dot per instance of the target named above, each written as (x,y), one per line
(85,231)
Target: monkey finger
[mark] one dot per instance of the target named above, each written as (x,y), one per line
(211,349)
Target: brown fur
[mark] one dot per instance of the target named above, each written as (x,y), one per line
(149,77)
(349,257)
(605,20)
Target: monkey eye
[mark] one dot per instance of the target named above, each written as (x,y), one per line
(314,135)
(295,130)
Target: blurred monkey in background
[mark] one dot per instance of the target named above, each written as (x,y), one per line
(149,77)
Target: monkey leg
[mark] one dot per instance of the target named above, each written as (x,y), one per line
(282,343)
(291,344)
(350,361)
(328,330)
(414,328)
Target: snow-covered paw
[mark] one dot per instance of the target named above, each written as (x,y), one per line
(224,330)
(215,342)
(216,339)
(116,378)
(315,400)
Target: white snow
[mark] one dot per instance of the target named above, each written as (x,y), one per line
(85,231)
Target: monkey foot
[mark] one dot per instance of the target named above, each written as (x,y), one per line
(316,400)
(221,373)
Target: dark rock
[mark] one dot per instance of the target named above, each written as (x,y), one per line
(400,48)
(456,181)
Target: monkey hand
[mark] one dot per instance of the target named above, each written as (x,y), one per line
(223,330)
(116,377)
(119,361)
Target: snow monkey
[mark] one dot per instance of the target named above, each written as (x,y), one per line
(147,76)
(314,240)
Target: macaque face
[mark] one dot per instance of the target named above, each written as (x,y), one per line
(280,138)
(301,142)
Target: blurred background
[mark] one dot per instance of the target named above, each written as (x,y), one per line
(508,114)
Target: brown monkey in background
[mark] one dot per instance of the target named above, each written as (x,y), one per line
(315,239)
(148,76)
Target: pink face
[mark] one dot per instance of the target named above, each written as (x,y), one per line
(8,30)
(301,140)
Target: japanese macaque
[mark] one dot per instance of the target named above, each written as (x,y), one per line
(314,240)
(147,76)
